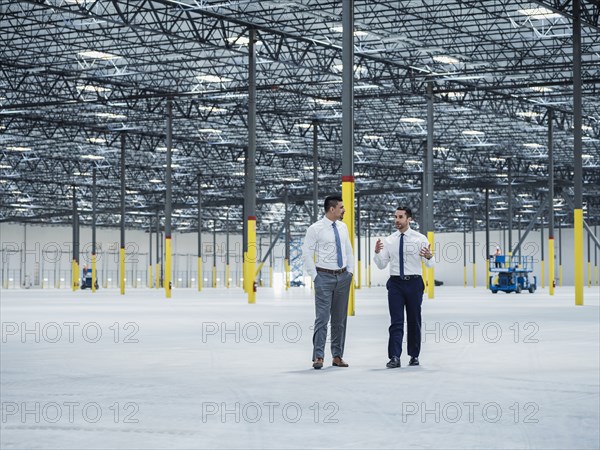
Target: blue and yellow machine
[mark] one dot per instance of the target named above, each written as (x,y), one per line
(86,279)
(512,274)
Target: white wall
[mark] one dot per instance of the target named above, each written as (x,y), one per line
(43,242)
(49,253)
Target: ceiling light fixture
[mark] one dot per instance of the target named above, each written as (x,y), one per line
(92,88)
(532,145)
(213,78)
(528,114)
(446,59)
(539,13)
(93,54)
(107,115)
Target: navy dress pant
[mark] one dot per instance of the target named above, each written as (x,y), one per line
(405,294)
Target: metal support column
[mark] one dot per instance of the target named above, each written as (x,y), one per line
(369,251)
(577,160)
(428,170)
(474,252)
(517,254)
(227,251)
(168,200)
(596,255)
(348,126)
(122,247)
(465,253)
(150,281)
(75,259)
(551,262)
(510,206)
(487,238)
(214,268)
(199,269)
(250,274)
(286,260)
(315,172)
(560,271)
(543,273)
(158,251)
(357,279)
(589,259)
(94,201)
(271,255)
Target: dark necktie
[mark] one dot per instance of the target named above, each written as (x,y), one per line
(338,245)
(401,256)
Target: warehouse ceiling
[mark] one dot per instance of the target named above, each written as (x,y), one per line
(78,76)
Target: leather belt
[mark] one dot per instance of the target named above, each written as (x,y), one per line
(406,277)
(332,272)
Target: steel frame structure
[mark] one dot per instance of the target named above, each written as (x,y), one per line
(76,75)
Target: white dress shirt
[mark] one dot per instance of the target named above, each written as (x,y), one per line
(319,250)
(390,253)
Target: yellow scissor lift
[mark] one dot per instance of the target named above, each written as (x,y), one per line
(512,274)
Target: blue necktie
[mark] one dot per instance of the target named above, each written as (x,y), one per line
(401,254)
(338,246)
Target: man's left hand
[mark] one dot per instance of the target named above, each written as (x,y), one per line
(426,252)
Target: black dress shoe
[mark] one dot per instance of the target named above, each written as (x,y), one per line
(414,361)
(394,363)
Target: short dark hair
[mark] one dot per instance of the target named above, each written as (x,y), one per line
(406,209)
(332,201)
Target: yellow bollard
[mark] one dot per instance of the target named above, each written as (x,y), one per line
(578,255)
(551,265)
(430,270)
(167,282)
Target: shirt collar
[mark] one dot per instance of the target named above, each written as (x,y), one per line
(327,221)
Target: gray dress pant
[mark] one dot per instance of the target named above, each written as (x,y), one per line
(331,300)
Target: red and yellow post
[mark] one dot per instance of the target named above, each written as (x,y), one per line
(430,270)
(348,198)
(75,275)
(251,258)
(551,265)
(286,268)
(122,270)
(167,281)
(200,279)
(578,254)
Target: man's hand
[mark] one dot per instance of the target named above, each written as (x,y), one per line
(378,246)
(426,252)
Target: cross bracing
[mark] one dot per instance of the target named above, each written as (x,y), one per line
(76,74)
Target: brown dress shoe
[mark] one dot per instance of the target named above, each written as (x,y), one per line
(339,362)
(318,363)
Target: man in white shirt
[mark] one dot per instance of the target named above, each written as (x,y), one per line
(404,250)
(328,259)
